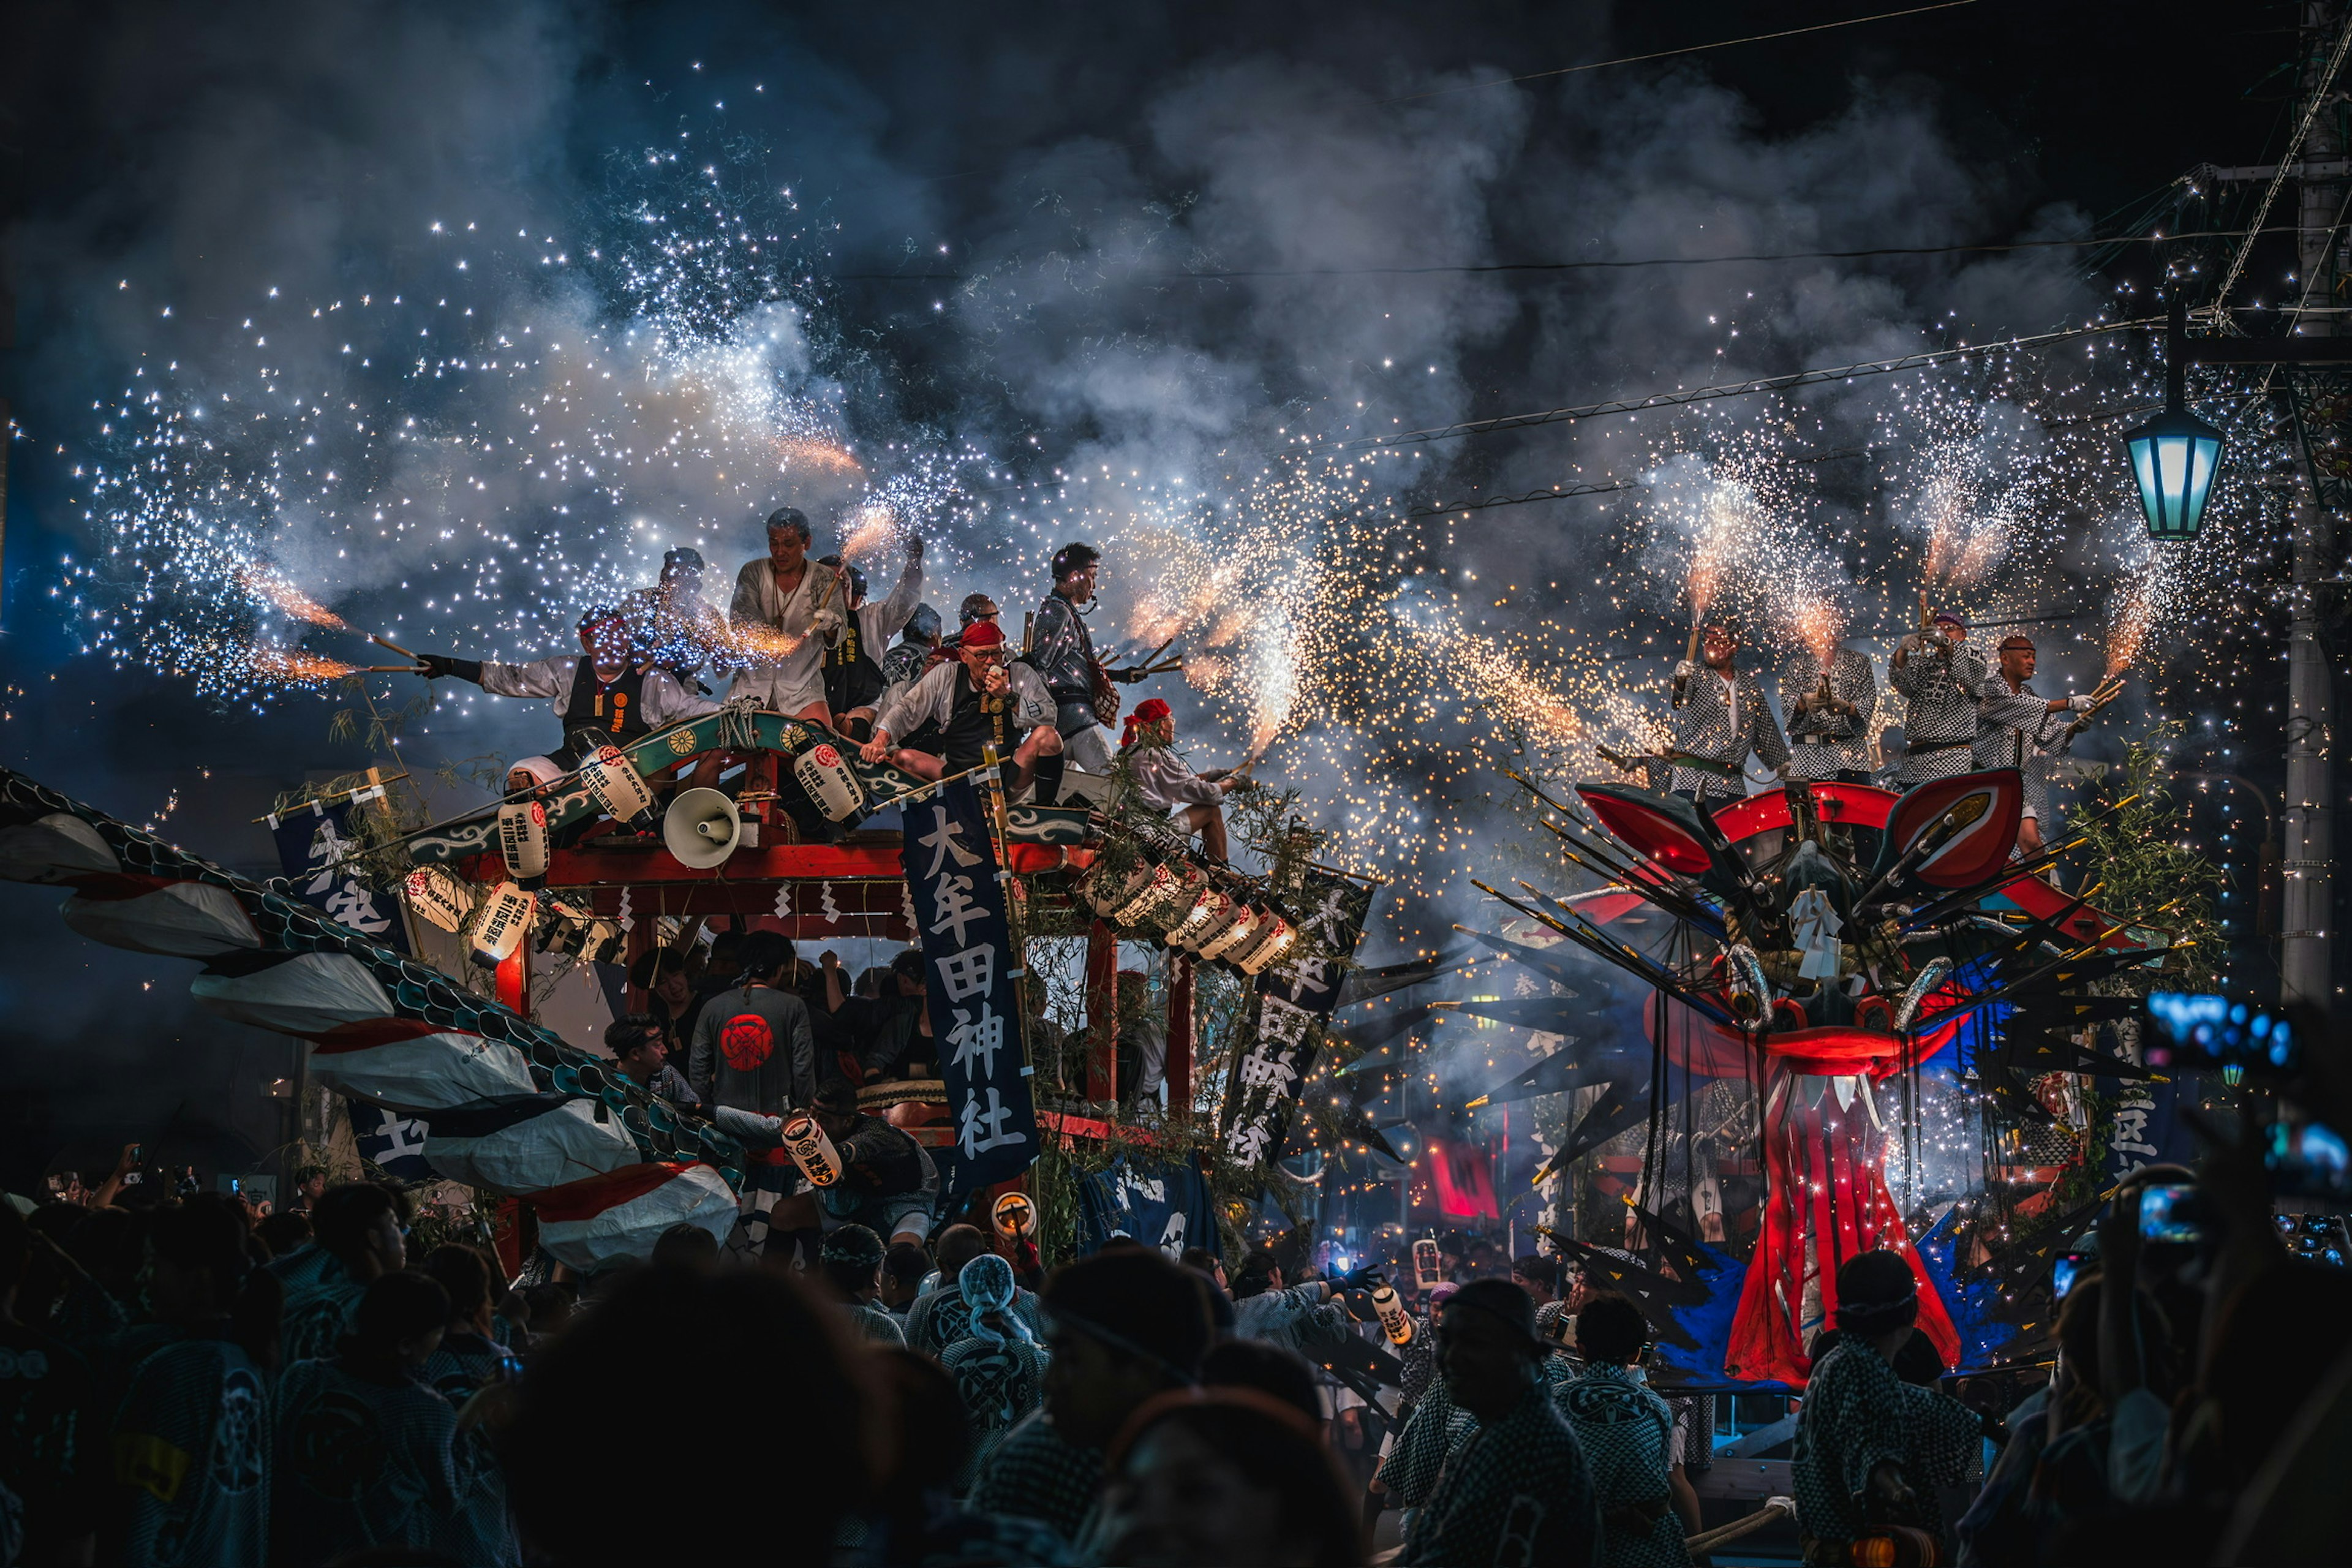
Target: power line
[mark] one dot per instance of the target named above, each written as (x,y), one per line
(1742,388)
(1687,49)
(1605,266)
(2319,99)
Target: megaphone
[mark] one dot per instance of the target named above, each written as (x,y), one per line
(701,828)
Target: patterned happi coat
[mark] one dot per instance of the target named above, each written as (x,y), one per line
(1824,744)
(1723,723)
(1939,684)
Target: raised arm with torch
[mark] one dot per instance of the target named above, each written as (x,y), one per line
(1723,720)
(604,693)
(1830,696)
(1939,676)
(2019,729)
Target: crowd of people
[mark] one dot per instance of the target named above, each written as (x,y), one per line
(187,1382)
(796,1024)
(801,637)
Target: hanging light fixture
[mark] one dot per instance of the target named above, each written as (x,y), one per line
(2174,455)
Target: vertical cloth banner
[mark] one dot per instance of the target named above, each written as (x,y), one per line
(1159,1203)
(1295,1000)
(315,845)
(969,964)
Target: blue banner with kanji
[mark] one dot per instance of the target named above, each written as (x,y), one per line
(1159,1203)
(314,844)
(390,1141)
(968,983)
(1295,1000)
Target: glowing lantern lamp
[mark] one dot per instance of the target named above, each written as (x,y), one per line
(2175,454)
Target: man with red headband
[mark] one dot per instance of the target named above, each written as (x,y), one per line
(1939,676)
(607,692)
(1721,719)
(1164,782)
(976,700)
(2018,728)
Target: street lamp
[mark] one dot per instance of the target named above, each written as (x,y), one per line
(2175,454)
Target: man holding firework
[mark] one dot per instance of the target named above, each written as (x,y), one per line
(788,610)
(1719,720)
(607,692)
(854,680)
(1063,653)
(1829,708)
(2017,729)
(1939,676)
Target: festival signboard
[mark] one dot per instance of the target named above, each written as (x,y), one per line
(958,904)
(1294,1001)
(315,845)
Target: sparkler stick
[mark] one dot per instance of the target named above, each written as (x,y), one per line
(387,642)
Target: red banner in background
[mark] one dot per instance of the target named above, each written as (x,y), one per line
(1461,1179)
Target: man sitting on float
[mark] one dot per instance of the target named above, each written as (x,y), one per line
(1166,782)
(976,700)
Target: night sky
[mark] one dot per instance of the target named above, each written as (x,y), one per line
(988,207)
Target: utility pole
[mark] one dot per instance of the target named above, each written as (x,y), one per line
(2307,886)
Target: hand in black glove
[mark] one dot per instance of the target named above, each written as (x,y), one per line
(437,665)
(1364,1278)
(1129,677)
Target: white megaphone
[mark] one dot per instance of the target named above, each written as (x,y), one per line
(701,828)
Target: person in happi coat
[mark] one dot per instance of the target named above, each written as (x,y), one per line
(787,611)
(1937,675)
(1828,711)
(854,680)
(998,1365)
(974,701)
(1721,720)
(1061,651)
(190,1444)
(1870,1450)
(1166,783)
(1627,1435)
(675,629)
(1518,1492)
(607,693)
(2018,728)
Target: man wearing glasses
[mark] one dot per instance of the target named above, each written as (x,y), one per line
(976,700)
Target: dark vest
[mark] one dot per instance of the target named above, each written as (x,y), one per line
(852,679)
(617,710)
(972,726)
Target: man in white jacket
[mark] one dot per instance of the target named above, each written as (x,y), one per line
(788,610)
(976,702)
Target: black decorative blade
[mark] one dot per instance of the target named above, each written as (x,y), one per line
(1362,985)
(1564,1070)
(1676,1246)
(1656,1295)
(1551,1014)
(1625,1102)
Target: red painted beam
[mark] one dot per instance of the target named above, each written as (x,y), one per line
(590,867)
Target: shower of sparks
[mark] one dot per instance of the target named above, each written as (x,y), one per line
(473,451)
(288,600)
(294,667)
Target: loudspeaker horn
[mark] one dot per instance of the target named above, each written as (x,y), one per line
(701,828)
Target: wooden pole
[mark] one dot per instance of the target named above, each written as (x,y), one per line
(1180,1032)
(1102,1013)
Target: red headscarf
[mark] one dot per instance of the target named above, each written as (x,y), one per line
(1151,710)
(982,634)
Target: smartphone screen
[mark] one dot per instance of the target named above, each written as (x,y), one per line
(2194,1030)
(2063,1272)
(2164,1213)
(2309,1160)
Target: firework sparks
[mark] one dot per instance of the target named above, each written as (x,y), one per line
(294,667)
(288,600)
